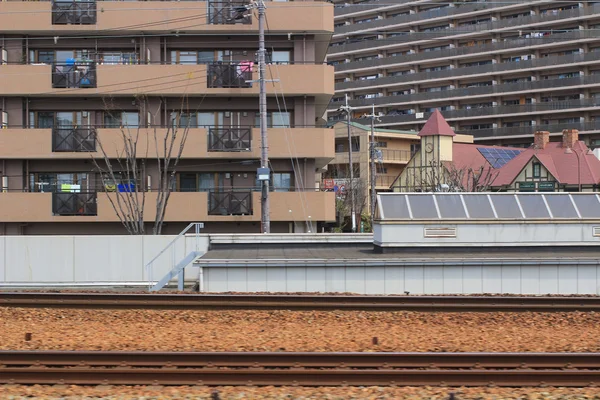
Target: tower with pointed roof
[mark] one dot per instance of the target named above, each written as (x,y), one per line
(436,139)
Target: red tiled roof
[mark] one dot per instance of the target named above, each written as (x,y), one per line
(467,157)
(562,166)
(436,125)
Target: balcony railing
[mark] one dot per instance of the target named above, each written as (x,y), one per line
(73,139)
(384,180)
(230,203)
(412,58)
(229,139)
(411,79)
(229,13)
(391,155)
(358,44)
(74,204)
(229,75)
(528,131)
(74,75)
(563,105)
(68,12)
(515,87)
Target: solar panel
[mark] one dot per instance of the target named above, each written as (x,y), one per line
(497,157)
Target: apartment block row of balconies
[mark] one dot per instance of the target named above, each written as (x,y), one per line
(224,16)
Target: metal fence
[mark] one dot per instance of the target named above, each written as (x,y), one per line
(229,75)
(68,12)
(73,139)
(228,13)
(74,75)
(74,204)
(230,203)
(229,139)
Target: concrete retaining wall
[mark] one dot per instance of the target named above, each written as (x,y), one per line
(86,259)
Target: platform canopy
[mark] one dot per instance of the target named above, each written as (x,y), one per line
(487,206)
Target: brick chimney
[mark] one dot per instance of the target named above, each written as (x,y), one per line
(540,139)
(570,137)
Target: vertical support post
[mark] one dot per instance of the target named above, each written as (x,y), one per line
(264,156)
(351,166)
(372,166)
(180,280)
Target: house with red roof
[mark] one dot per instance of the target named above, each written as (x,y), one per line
(446,164)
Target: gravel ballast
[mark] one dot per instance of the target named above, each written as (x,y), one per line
(174,330)
(294,393)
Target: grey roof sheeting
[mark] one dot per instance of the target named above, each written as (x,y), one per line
(488,206)
(365,256)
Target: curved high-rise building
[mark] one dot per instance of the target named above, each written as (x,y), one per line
(498,70)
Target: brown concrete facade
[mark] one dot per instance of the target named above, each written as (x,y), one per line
(73,94)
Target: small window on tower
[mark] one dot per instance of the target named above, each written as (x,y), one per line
(537,170)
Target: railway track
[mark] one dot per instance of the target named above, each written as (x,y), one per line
(297,302)
(306,369)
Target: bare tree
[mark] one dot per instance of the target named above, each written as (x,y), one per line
(122,173)
(343,203)
(446,176)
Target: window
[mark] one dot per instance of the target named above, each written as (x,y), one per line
(279,57)
(121,119)
(275,120)
(282,181)
(537,170)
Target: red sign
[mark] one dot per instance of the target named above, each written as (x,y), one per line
(328,184)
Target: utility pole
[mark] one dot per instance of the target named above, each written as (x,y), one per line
(372,164)
(264,156)
(348,110)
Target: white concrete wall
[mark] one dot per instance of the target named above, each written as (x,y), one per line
(86,259)
(511,234)
(557,278)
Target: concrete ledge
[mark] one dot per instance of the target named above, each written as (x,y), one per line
(291,238)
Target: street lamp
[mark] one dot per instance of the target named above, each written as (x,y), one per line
(571,151)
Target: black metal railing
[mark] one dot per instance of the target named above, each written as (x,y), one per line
(230,203)
(229,75)
(229,13)
(229,139)
(68,12)
(74,204)
(74,75)
(73,139)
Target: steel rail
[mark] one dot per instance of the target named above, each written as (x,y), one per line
(298,302)
(380,360)
(308,369)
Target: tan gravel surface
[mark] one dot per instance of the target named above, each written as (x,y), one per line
(293,393)
(156,330)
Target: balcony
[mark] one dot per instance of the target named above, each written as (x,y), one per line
(158,17)
(392,156)
(312,143)
(229,139)
(74,204)
(229,13)
(68,12)
(528,131)
(468,51)
(480,91)
(498,111)
(73,139)
(74,75)
(466,72)
(169,80)
(384,182)
(230,203)
(467,30)
(285,206)
(229,75)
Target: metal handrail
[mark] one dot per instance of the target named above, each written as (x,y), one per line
(197,226)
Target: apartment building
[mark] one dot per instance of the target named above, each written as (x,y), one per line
(496,70)
(77,77)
